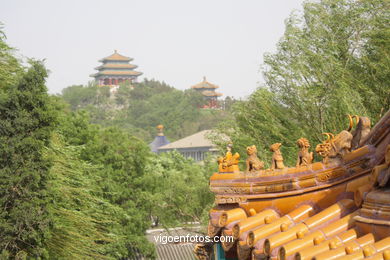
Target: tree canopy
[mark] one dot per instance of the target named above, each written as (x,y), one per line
(71,189)
(140,107)
(26,122)
(332,60)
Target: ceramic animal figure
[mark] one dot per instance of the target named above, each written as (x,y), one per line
(253,163)
(304,156)
(229,163)
(277,158)
(335,147)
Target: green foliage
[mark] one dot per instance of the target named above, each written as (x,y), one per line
(263,121)
(374,63)
(86,221)
(83,224)
(26,122)
(332,61)
(10,66)
(174,109)
(178,189)
(119,160)
(124,158)
(79,96)
(76,128)
(140,107)
(127,176)
(141,91)
(73,190)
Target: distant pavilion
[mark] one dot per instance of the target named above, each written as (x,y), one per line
(116,69)
(207,90)
(196,146)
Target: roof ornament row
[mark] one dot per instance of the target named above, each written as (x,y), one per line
(332,149)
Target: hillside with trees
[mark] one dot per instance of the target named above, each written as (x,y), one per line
(138,108)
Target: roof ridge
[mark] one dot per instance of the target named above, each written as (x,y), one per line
(198,139)
(116,56)
(204,83)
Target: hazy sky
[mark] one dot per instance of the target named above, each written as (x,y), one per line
(175,41)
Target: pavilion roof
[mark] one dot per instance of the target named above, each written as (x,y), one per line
(117,73)
(199,139)
(204,84)
(209,93)
(116,57)
(116,66)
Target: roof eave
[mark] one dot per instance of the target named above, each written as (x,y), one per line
(187,147)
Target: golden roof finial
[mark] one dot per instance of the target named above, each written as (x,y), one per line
(204,78)
(115,51)
(160,129)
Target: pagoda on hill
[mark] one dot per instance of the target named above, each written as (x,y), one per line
(207,90)
(115,69)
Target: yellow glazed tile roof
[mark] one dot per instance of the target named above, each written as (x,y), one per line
(116,56)
(116,66)
(204,84)
(325,210)
(209,93)
(118,73)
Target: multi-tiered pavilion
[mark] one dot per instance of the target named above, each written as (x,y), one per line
(116,69)
(207,90)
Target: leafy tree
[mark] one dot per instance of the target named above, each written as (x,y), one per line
(76,127)
(123,94)
(26,122)
(331,61)
(10,66)
(178,189)
(373,63)
(148,88)
(84,225)
(172,109)
(74,190)
(262,121)
(123,160)
(228,103)
(79,96)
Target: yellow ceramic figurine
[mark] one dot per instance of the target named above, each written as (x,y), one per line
(229,163)
(304,156)
(277,158)
(253,163)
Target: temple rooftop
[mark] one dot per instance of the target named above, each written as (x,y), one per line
(116,57)
(117,72)
(205,84)
(209,93)
(196,140)
(207,90)
(116,66)
(196,146)
(114,70)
